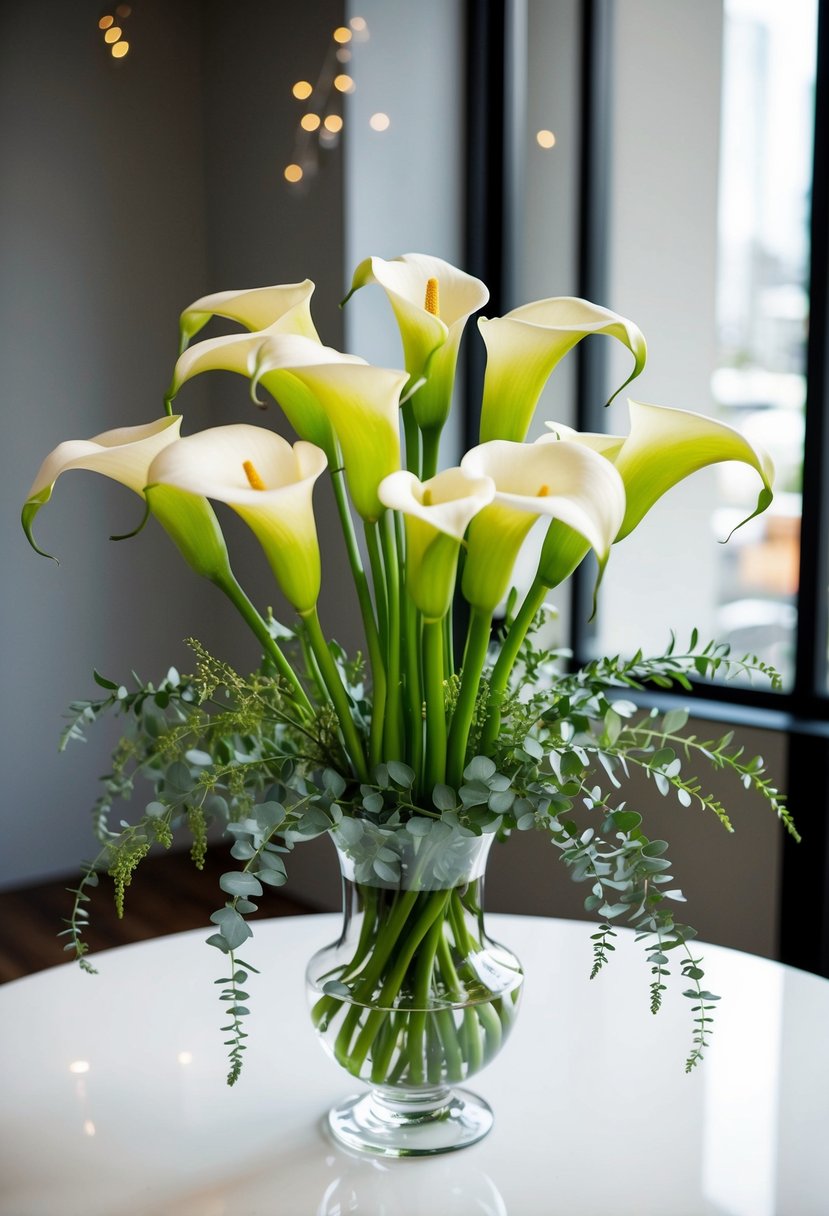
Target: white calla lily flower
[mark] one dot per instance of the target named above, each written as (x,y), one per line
(338,402)
(284,308)
(525,346)
(259,356)
(578,488)
(362,404)
(268,483)
(124,455)
(432,301)
(436,516)
(664,446)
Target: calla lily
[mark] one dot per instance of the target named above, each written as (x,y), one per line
(338,402)
(436,514)
(524,346)
(267,482)
(124,455)
(574,489)
(362,404)
(432,301)
(260,356)
(664,447)
(283,309)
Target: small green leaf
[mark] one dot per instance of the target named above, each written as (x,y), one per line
(384,870)
(481,768)
(240,882)
(335,988)
(418,826)
(401,774)
(373,803)
(674,720)
(444,797)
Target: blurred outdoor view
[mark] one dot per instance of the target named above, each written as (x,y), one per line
(762,318)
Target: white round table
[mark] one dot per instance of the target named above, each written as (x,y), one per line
(113,1100)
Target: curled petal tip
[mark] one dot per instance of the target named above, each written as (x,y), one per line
(27,519)
(142,524)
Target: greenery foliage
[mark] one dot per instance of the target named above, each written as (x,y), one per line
(234,754)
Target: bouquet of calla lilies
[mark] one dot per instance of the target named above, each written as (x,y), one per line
(424,704)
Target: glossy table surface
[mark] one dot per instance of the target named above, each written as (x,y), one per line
(114,1101)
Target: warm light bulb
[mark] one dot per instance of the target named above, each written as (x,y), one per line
(302,89)
(358,24)
(123,10)
(379,122)
(342,34)
(106,22)
(293,173)
(112,34)
(309,122)
(120,49)
(185,1057)
(343,83)
(88,1127)
(343,54)
(79,1066)
(545,139)
(333,123)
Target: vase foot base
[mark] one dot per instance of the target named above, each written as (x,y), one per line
(391,1125)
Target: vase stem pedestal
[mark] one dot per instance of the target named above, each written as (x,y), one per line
(396,1123)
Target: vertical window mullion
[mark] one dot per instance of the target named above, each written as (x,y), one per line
(810,669)
(804,927)
(593,259)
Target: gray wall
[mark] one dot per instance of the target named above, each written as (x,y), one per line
(105,234)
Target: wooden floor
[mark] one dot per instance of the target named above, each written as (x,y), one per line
(167,895)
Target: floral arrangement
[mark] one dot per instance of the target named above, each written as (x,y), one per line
(427,739)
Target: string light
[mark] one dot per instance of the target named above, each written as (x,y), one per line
(379,121)
(114,39)
(319,128)
(545,139)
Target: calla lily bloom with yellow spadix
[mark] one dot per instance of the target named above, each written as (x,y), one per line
(270,484)
(126,455)
(525,346)
(578,488)
(664,446)
(436,514)
(284,308)
(574,488)
(432,301)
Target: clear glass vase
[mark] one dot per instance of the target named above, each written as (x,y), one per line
(413,998)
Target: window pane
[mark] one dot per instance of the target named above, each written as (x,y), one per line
(710,213)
